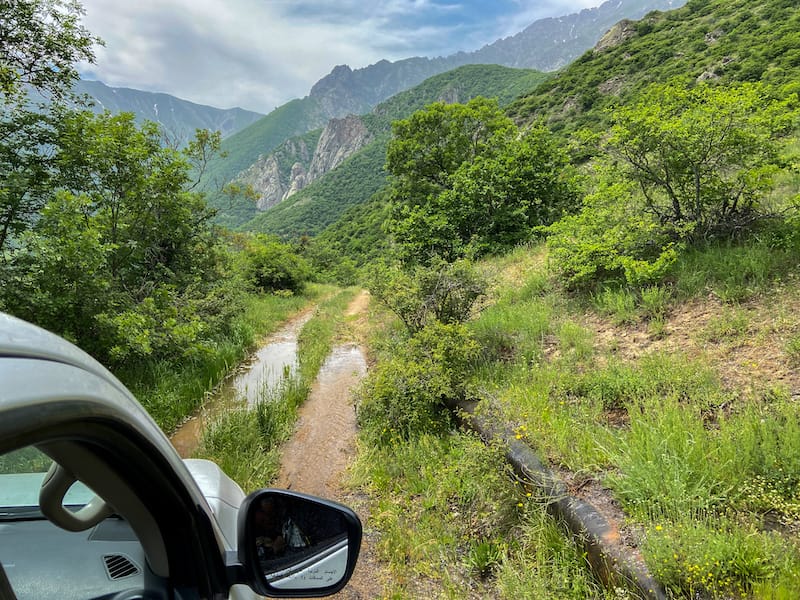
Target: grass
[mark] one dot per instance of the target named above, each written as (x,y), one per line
(449,513)
(680,449)
(706,469)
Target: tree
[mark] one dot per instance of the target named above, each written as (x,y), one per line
(25,165)
(41,41)
(157,230)
(428,147)
(500,197)
(703,156)
(466,183)
(122,258)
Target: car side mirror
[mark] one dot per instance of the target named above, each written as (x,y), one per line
(292,545)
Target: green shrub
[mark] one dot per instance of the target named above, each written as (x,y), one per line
(404,396)
(418,295)
(611,240)
(271,265)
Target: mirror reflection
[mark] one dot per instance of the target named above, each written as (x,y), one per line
(299,543)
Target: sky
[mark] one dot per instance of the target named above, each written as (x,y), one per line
(259,54)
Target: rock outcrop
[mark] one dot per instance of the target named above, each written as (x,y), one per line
(340,139)
(293,165)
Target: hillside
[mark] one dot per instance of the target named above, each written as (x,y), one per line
(179,118)
(719,40)
(360,176)
(546,44)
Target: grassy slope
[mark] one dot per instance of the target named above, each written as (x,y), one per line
(358,178)
(734,40)
(681,398)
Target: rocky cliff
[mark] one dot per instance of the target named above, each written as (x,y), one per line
(278,175)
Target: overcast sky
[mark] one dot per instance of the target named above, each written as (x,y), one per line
(259,54)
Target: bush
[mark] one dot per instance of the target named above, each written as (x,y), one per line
(418,295)
(404,396)
(271,265)
(612,239)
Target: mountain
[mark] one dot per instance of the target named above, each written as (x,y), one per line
(545,45)
(179,118)
(353,160)
(722,40)
(719,40)
(550,44)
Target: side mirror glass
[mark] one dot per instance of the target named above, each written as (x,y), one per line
(294,545)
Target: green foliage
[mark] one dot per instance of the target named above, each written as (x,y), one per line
(420,295)
(429,146)
(611,239)
(703,156)
(727,41)
(41,41)
(122,259)
(405,396)
(463,183)
(270,265)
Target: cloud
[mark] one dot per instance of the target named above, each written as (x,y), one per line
(259,54)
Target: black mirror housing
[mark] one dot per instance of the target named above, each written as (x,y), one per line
(292,545)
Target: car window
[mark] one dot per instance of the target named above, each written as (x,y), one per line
(21,474)
(42,560)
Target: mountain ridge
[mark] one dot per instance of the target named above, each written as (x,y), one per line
(177,116)
(347,91)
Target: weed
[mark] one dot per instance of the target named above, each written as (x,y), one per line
(655,301)
(575,340)
(716,557)
(619,303)
(792,349)
(732,324)
(484,556)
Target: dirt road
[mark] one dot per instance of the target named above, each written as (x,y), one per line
(315,459)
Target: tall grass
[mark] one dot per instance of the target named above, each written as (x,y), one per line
(170,393)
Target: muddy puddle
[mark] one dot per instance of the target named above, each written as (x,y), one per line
(263,372)
(317,455)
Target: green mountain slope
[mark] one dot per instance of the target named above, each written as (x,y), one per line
(241,149)
(352,183)
(723,40)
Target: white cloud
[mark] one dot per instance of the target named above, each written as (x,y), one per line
(259,54)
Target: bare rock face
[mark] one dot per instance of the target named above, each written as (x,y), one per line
(264,177)
(273,180)
(620,32)
(340,139)
(298,180)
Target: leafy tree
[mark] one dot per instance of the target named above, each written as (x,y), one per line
(612,238)
(40,43)
(465,183)
(500,197)
(25,168)
(429,146)
(122,258)
(703,156)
